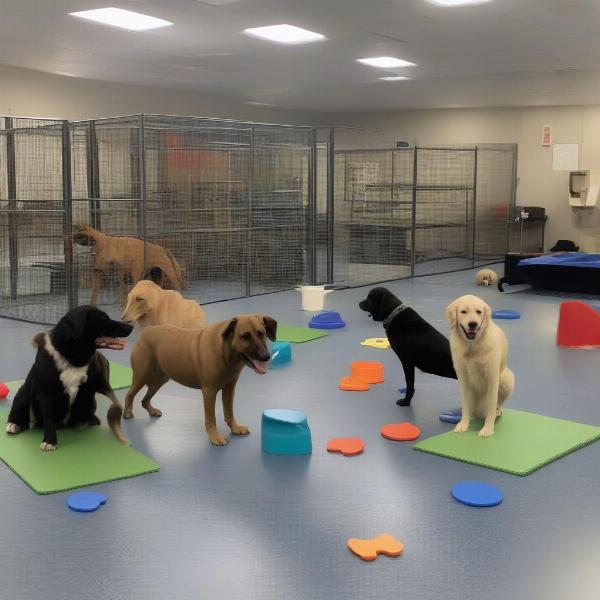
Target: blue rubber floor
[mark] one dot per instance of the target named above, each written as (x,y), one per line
(228,523)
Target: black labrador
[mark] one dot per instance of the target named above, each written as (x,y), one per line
(414,340)
(60,388)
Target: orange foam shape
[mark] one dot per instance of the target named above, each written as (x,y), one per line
(382,544)
(347,446)
(400,432)
(367,371)
(578,325)
(352,384)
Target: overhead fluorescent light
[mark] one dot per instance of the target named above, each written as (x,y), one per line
(255,103)
(125,19)
(285,34)
(394,78)
(386,62)
(457,2)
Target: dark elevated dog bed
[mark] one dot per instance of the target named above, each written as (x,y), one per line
(568,272)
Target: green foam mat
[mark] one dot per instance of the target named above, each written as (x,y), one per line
(522,442)
(120,377)
(297,335)
(83,458)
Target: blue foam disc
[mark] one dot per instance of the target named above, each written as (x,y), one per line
(454,415)
(86,501)
(403,390)
(476,493)
(506,314)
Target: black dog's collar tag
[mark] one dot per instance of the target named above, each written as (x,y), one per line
(388,321)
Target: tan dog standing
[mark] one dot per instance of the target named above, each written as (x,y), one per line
(210,359)
(126,254)
(479,354)
(148,304)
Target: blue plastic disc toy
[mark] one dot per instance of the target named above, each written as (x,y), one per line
(86,501)
(476,493)
(454,415)
(506,314)
(328,319)
(403,390)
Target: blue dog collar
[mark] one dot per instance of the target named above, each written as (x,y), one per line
(388,321)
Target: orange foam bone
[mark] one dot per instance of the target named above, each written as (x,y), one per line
(400,432)
(347,446)
(382,544)
(578,325)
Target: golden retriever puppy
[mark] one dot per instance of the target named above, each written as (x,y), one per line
(479,354)
(486,277)
(148,304)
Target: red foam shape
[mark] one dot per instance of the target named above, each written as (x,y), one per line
(347,446)
(3,391)
(578,325)
(400,432)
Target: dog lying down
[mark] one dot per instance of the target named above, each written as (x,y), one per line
(60,388)
(416,343)
(209,359)
(479,352)
(148,304)
(486,277)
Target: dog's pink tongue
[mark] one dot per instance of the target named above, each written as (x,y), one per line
(110,343)
(259,366)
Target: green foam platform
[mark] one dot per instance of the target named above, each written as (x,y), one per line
(297,335)
(522,443)
(83,457)
(120,377)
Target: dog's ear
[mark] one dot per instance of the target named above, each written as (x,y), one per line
(81,235)
(270,327)
(452,314)
(487,311)
(228,331)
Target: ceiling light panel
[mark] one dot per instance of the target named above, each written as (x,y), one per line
(458,2)
(394,78)
(386,62)
(125,19)
(284,34)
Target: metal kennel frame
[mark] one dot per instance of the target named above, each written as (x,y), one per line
(244,208)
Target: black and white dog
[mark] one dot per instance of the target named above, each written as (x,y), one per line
(413,339)
(60,388)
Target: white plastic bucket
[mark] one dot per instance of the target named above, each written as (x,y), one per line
(313,297)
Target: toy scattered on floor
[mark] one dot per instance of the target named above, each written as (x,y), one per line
(346,446)
(285,432)
(382,544)
(329,319)
(362,374)
(313,296)
(476,493)
(486,277)
(506,314)
(376,343)
(281,354)
(453,415)
(400,432)
(402,390)
(86,501)
(578,325)
(3,391)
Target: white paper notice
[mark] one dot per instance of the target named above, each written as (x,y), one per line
(565,157)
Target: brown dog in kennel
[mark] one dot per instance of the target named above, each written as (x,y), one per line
(126,256)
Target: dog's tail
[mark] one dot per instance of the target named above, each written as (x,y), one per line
(177,270)
(114,416)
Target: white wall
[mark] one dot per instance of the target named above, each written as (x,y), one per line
(35,94)
(538,185)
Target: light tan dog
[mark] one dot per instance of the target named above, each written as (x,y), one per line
(486,277)
(126,254)
(210,359)
(148,304)
(479,354)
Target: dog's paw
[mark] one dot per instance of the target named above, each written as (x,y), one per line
(486,432)
(12,428)
(154,412)
(403,402)
(46,447)
(239,430)
(461,427)
(128,414)
(218,440)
